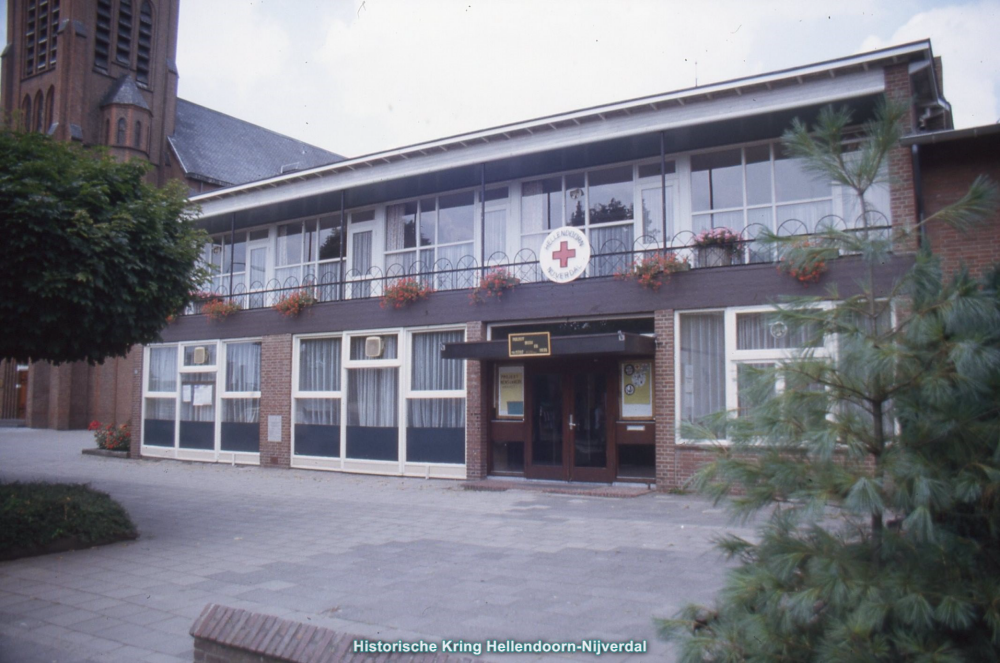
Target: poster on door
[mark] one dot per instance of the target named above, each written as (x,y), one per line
(510,391)
(637,390)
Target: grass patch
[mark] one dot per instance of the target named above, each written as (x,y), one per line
(38,518)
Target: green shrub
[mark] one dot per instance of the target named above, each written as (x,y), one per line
(37,517)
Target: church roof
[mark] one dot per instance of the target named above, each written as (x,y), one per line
(224,150)
(124,92)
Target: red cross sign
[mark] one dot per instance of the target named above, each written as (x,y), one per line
(563,254)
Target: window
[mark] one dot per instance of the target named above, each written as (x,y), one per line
(102,34)
(26,112)
(310,252)
(41,25)
(318,398)
(241,398)
(123,52)
(137,137)
(654,200)
(599,202)
(432,235)
(161,397)
(373,400)
(39,112)
(145,45)
(726,359)
(120,136)
(435,408)
(756,187)
(49,107)
(225,256)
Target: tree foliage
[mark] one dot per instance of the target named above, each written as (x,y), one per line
(876,472)
(93,258)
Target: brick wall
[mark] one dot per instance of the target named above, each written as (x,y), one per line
(902,204)
(477,413)
(947,170)
(135,361)
(663,401)
(276,398)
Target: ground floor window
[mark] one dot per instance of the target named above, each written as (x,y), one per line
(379,397)
(188,407)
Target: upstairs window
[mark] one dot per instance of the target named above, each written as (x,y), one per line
(102,34)
(145,45)
(123,52)
(120,137)
(432,234)
(756,187)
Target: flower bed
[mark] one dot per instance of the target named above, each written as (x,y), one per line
(494,284)
(652,271)
(404,292)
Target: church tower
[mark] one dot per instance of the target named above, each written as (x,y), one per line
(100,72)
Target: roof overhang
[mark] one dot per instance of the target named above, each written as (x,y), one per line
(935,137)
(562,346)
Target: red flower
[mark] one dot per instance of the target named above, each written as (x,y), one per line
(94,425)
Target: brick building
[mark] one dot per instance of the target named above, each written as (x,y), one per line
(571,374)
(103,72)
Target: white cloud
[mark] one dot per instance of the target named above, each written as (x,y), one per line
(965,38)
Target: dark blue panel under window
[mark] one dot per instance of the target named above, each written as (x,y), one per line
(371,443)
(198,435)
(158,433)
(240,437)
(317,440)
(435,445)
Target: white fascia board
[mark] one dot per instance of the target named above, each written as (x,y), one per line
(821,91)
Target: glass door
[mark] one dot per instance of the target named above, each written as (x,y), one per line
(361,236)
(588,427)
(257,272)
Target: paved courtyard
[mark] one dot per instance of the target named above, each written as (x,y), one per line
(383,557)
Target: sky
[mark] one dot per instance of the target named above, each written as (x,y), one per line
(360,76)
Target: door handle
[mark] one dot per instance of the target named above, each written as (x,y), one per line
(572,426)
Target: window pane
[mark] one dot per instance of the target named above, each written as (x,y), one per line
(191,354)
(163,369)
(235,255)
(243,367)
(428,222)
(653,169)
(496,194)
(541,205)
(576,199)
(289,244)
(372,397)
(703,365)
(731,220)
(436,413)
(317,411)
(361,217)
(763,331)
(793,182)
(753,388)
(158,426)
(611,194)
(400,226)
(758,175)
(197,420)
(329,240)
(319,364)
(388,347)
(652,212)
(430,370)
(808,213)
(717,180)
(241,410)
(455,218)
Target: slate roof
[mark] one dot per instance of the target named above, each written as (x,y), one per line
(224,150)
(125,92)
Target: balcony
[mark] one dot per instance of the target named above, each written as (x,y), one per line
(611,258)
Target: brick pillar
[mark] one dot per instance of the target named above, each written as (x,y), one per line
(476,412)
(902,189)
(60,392)
(276,398)
(36,412)
(134,361)
(664,403)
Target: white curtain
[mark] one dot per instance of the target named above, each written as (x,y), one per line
(389,345)
(437,412)
(703,365)
(192,385)
(393,228)
(163,369)
(808,213)
(243,367)
(614,239)
(241,410)
(319,364)
(163,409)
(754,332)
(430,371)
(317,411)
(372,397)
(495,234)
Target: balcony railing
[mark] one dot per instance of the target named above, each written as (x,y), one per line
(611,258)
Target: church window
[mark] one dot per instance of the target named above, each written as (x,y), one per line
(40,27)
(123,52)
(102,34)
(137,138)
(26,112)
(145,45)
(49,106)
(39,112)
(120,138)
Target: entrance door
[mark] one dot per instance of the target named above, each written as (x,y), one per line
(570,425)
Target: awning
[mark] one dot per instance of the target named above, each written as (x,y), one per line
(562,346)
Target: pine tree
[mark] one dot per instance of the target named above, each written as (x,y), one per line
(876,474)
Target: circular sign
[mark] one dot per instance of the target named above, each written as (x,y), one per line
(778,329)
(564,255)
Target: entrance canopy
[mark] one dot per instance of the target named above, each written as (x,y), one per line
(562,346)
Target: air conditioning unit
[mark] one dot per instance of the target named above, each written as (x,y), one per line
(373,347)
(200,355)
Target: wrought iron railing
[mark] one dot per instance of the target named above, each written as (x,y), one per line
(612,257)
